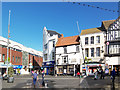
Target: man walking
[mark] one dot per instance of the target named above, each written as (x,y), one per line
(35,78)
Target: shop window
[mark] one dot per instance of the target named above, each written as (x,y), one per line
(3,57)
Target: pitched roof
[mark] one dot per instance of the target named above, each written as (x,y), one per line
(65,41)
(53,32)
(107,23)
(90,31)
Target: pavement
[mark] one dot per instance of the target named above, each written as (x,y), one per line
(25,81)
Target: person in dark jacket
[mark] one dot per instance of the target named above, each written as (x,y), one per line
(113,75)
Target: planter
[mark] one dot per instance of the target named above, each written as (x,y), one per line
(10,79)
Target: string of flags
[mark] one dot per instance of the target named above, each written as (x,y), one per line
(95,7)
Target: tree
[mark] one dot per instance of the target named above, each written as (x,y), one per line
(87,60)
(6,60)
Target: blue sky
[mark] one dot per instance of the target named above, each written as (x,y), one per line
(29,18)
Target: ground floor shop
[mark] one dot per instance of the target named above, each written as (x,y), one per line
(68,69)
(93,67)
(49,67)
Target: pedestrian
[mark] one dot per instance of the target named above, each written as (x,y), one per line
(96,75)
(113,75)
(78,74)
(101,74)
(35,78)
(43,75)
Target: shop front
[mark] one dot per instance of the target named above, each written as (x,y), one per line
(17,68)
(65,69)
(92,68)
(49,67)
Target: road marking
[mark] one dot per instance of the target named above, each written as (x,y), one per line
(49,78)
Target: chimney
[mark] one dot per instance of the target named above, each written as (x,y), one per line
(62,35)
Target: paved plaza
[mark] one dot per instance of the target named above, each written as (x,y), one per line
(25,81)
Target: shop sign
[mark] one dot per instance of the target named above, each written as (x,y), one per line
(17,66)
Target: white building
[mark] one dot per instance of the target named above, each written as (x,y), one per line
(49,40)
(93,44)
(113,46)
(68,55)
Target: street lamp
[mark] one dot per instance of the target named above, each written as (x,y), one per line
(8,41)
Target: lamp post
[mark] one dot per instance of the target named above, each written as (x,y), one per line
(8,41)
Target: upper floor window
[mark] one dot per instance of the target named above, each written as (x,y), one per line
(86,52)
(19,59)
(65,59)
(16,60)
(13,59)
(77,48)
(92,40)
(3,57)
(97,39)
(98,51)
(53,43)
(45,46)
(53,55)
(65,50)
(45,57)
(92,52)
(86,40)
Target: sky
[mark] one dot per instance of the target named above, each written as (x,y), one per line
(28,19)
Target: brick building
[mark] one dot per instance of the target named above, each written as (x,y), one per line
(20,57)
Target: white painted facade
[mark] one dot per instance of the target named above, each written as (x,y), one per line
(101,45)
(48,41)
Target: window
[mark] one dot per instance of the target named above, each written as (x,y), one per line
(65,50)
(53,43)
(86,52)
(13,59)
(16,60)
(92,40)
(97,39)
(77,48)
(3,57)
(19,59)
(92,52)
(65,59)
(45,57)
(86,40)
(45,46)
(53,55)
(0,57)
(98,52)
(3,46)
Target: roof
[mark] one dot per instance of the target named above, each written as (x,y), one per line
(53,32)
(107,23)
(65,41)
(90,31)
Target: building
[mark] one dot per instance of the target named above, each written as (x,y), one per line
(20,57)
(93,44)
(49,40)
(113,46)
(68,55)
